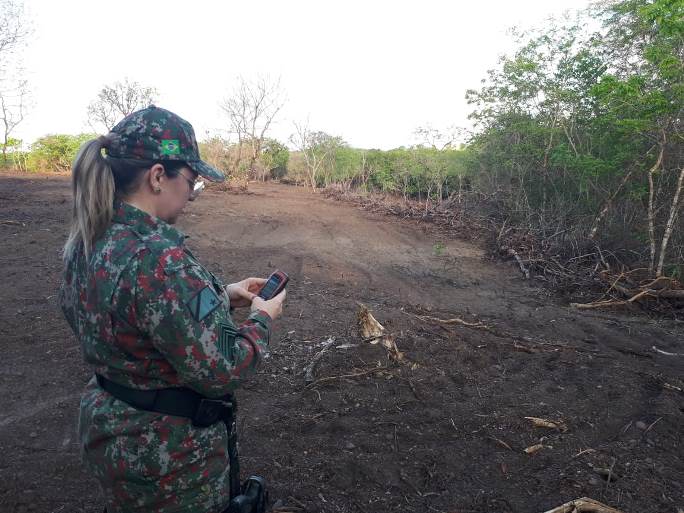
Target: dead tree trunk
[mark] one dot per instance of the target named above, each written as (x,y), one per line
(607,206)
(670,222)
(651,205)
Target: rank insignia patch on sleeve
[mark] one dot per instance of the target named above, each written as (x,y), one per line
(203,303)
(226,340)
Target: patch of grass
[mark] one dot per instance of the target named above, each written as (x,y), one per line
(438,249)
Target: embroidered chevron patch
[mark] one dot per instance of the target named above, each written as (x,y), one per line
(226,340)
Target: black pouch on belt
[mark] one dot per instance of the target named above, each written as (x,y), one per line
(253,499)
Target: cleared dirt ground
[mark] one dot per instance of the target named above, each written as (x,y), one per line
(444,432)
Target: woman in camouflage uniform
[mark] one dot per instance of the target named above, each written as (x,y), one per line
(150,317)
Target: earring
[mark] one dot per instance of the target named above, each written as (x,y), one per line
(157,190)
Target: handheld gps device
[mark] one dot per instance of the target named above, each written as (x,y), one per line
(274,285)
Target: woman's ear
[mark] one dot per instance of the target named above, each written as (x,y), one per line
(156,177)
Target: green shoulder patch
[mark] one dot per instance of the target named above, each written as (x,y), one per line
(203,303)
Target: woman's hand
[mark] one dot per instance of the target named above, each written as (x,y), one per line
(273,307)
(243,292)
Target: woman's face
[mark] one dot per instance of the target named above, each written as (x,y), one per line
(175,194)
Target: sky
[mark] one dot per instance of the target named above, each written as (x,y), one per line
(369,71)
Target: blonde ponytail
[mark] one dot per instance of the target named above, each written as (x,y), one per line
(93,188)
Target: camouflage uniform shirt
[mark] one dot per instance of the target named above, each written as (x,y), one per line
(149,316)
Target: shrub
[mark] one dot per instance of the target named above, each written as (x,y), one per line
(56,152)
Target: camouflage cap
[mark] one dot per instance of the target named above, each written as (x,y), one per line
(158,134)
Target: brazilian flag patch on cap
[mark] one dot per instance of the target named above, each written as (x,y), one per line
(170,147)
(203,303)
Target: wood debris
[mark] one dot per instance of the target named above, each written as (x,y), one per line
(350,375)
(536,448)
(666,353)
(309,369)
(374,332)
(501,443)
(371,330)
(672,387)
(626,289)
(455,320)
(585,451)
(583,505)
(393,352)
(539,422)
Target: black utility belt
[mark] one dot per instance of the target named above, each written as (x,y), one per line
(180,402)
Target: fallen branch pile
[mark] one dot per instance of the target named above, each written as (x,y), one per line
(448,215)
(625,290)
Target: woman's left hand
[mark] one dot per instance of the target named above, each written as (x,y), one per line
(242,292)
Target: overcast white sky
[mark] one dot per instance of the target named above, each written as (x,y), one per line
(369,71)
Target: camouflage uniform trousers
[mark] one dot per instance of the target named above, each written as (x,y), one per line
(149,462)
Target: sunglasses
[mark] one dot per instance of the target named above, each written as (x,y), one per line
(196,186)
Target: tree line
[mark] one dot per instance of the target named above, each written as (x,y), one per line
(577,135)
(581,131)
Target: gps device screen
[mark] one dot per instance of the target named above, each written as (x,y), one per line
(274,285)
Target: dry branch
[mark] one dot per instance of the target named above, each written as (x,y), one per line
(455,320)
(660,288)
(515,255)
(502,443)
(536,344)
(343,376)
(666,353)
(309,369)
(597,304)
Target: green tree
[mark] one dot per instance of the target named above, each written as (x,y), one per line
(55,152)
(216,151)
(584,130)
(274,157)
(318,150)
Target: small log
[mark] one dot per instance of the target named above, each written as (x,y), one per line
(662,282)
(671,294)
(638,296)
(597,304)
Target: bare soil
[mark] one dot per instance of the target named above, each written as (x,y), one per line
(444,431)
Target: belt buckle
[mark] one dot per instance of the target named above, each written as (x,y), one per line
(210,411)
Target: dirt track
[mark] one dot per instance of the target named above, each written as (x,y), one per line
(444,432)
